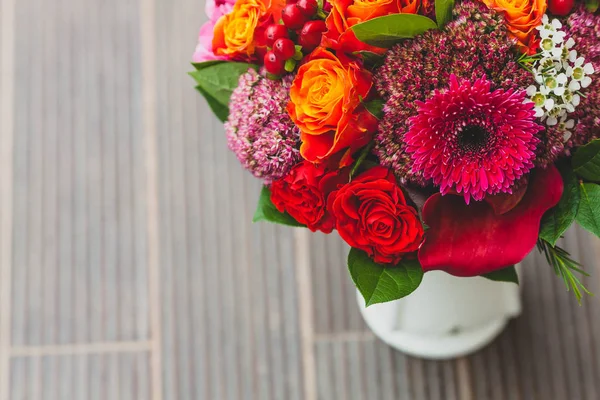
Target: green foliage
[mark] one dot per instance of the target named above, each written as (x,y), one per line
(592,5)
(375,107)
(364,153)
(371,60)
(508,274)
(586,161)
(388,30)
(443,12)
(216,81)
(588,215)
(564,266)
(557,220)
(266,211)
(205,64)
(378,283)
(221,111)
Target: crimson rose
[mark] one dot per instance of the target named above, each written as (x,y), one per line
(372,215)
(303,194)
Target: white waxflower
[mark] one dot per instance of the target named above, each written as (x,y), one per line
(543,104)
(549,66)
(566,125)
(556,84)
(559,74)
(548,28)
(580,72)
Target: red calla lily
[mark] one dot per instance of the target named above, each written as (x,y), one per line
(470,240)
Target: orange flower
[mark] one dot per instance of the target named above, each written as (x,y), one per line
(239,33)
(325,103)
(347,13)
(522,17)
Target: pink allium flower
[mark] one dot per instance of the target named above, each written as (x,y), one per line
(260,131)
(473,140)
(215,9)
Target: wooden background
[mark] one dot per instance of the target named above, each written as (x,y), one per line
(129,268)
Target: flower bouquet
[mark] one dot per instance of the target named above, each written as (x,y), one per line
(431,135)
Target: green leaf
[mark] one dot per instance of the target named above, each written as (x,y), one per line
(588,215)
(586,161)
(371,60)
(375,107)
(205,64)
(508,274)
(388,30)
(557,220)
(592,5)
(218,80)
(443,12)
(266,211)
(221,111)
(364,153)
(378,283)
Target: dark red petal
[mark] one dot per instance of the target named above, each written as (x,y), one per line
(472,240)
(504,202)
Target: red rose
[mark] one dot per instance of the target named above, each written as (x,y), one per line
(372,215)
(303,194)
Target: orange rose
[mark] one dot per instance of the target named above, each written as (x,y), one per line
(239,33)
(325,103)
(522,17)
(347,13)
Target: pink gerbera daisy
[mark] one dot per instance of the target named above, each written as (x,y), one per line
(472,140)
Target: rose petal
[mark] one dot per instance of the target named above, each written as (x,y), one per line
(472,240)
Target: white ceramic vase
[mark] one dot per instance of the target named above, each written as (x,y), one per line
(446,317)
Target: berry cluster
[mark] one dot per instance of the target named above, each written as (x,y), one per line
(298,24)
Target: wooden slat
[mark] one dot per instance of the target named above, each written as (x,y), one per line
(112,376)
(76,276)
(230,304)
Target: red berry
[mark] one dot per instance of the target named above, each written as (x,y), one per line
(561,7)
(310,36)
(274,32)
(274,64)
(308,7)
(293,17)
(284,48)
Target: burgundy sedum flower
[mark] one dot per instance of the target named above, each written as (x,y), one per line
(475,43)
(473,140)
(584,27)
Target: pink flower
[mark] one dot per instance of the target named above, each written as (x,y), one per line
(215,9)
(473,140)
(259,129)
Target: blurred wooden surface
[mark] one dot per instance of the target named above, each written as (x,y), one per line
(129,268)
